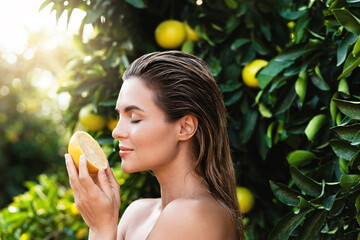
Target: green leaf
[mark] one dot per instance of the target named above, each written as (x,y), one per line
(347,132)
(266,74)
(136,3)
(343,86)
(342,50)
(291,54)
(285,194)
(319,81)
(238,43)
(312,225)
(292,14)
(306,184)
(250,120)
(354,163)
(314,126)
(264,111)
(349,108)
(343,149)
(188,47)
(356,48)
(234,98)
(230,3)
(349,181)
(356,140)
(301,85)
(94,14)
(286,225)
(350,64)
(285,101)
(348,20)
(299,158)
(229,87)
(338,206)
(44,4)
(215,65)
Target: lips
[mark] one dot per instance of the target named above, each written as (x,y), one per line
(124,151)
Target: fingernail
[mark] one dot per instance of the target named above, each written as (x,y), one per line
(82,158)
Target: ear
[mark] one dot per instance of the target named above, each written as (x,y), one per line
(188,127)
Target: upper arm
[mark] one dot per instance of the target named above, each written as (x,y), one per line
(124,220)
(188,220)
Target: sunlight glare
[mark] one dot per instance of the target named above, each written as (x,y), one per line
(20,20)
(64,100)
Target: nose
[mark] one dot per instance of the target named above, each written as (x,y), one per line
(120,131)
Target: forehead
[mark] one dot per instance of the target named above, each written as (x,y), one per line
(134,91)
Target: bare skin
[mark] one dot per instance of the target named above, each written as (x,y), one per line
(186,209)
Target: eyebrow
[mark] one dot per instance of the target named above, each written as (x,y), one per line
(129,108)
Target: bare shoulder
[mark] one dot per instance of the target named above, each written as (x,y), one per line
(142,204)
(136,212)
(200,218)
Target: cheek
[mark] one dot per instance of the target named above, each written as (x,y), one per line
(155,140)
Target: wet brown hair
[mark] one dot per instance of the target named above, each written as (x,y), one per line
(183,85)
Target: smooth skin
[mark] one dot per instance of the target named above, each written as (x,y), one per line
(186,209)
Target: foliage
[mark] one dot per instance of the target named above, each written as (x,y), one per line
(280,132)
(47,209)
(30,138)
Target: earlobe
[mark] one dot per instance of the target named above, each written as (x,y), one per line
(189,125)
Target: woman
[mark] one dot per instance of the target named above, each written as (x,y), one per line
(172,122)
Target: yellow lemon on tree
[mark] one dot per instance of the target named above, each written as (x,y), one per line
(81,143)
(74,210)
(81,233)
(90,120)
(112,122)
(245,198)
(250,70)
(25,236)
(190,33)
(170,34)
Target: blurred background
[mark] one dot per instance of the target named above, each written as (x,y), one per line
(33,52)
(288,71)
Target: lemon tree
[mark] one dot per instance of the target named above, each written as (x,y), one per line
(294,137)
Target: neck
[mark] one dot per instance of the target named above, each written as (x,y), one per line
(179,180)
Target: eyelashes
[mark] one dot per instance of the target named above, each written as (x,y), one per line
(134,121)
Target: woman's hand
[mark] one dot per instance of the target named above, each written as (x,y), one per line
(97,198)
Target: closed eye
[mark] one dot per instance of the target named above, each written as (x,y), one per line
(134,121)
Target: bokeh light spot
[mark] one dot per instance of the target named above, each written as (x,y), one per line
(4,91)
(21,107)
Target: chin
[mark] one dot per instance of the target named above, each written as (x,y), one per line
(128,169)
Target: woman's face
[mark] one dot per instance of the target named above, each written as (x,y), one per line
(147,140)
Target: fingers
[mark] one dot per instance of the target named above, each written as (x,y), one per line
(73,175)
(71,169)
(115,187)
(104,183)
(84,177)
(112,180)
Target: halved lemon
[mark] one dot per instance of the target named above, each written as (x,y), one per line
(82,143)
